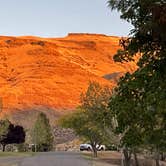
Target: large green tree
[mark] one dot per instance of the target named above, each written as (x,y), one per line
(139,101)
(95,101)
(89,121)
(148,35)
(42,134)
(83,126)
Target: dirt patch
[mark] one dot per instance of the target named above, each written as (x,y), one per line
(113,158)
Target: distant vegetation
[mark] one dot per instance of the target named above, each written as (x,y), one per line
(10,134)
(42,134)
(39,137)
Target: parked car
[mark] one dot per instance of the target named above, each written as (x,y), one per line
(88,147)
(100,147)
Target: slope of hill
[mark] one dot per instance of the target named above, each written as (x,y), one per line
(37,73)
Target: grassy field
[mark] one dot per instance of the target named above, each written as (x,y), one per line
(21,154)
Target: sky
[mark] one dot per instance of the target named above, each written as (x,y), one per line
(57,18)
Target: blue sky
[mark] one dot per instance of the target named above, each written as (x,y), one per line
(56,18)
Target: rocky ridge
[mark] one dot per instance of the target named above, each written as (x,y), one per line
(51,73)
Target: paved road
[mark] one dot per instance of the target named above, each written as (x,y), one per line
(48,159)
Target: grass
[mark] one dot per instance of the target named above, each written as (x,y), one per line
(19,154)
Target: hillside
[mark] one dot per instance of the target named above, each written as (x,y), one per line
(38,73)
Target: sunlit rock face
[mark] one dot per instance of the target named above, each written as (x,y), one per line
(38,73)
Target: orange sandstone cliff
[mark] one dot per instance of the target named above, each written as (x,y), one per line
(52,72)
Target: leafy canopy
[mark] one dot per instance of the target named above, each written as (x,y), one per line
(4,128)
(139,101)
(148,33)
(83,126)
(90,118)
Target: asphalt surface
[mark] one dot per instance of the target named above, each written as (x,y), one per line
(47,159)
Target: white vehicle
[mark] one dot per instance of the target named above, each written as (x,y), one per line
(100,147)
(88,147)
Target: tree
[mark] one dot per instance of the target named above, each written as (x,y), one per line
(11,134)
(136,108)
(42,133)
(4,129)
(95,101)
(83,126)
(140,97)
(125,108)
(90,118)
(16,134)
(148,36)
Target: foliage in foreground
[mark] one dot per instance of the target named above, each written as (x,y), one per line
(139,101)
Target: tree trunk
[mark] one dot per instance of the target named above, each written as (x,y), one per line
(127,157)
(162,156)
(3,147)
(135,158)
(157,162)
(94,150)
(157,157)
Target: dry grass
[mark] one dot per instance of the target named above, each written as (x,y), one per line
(106,158)
(113,158)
